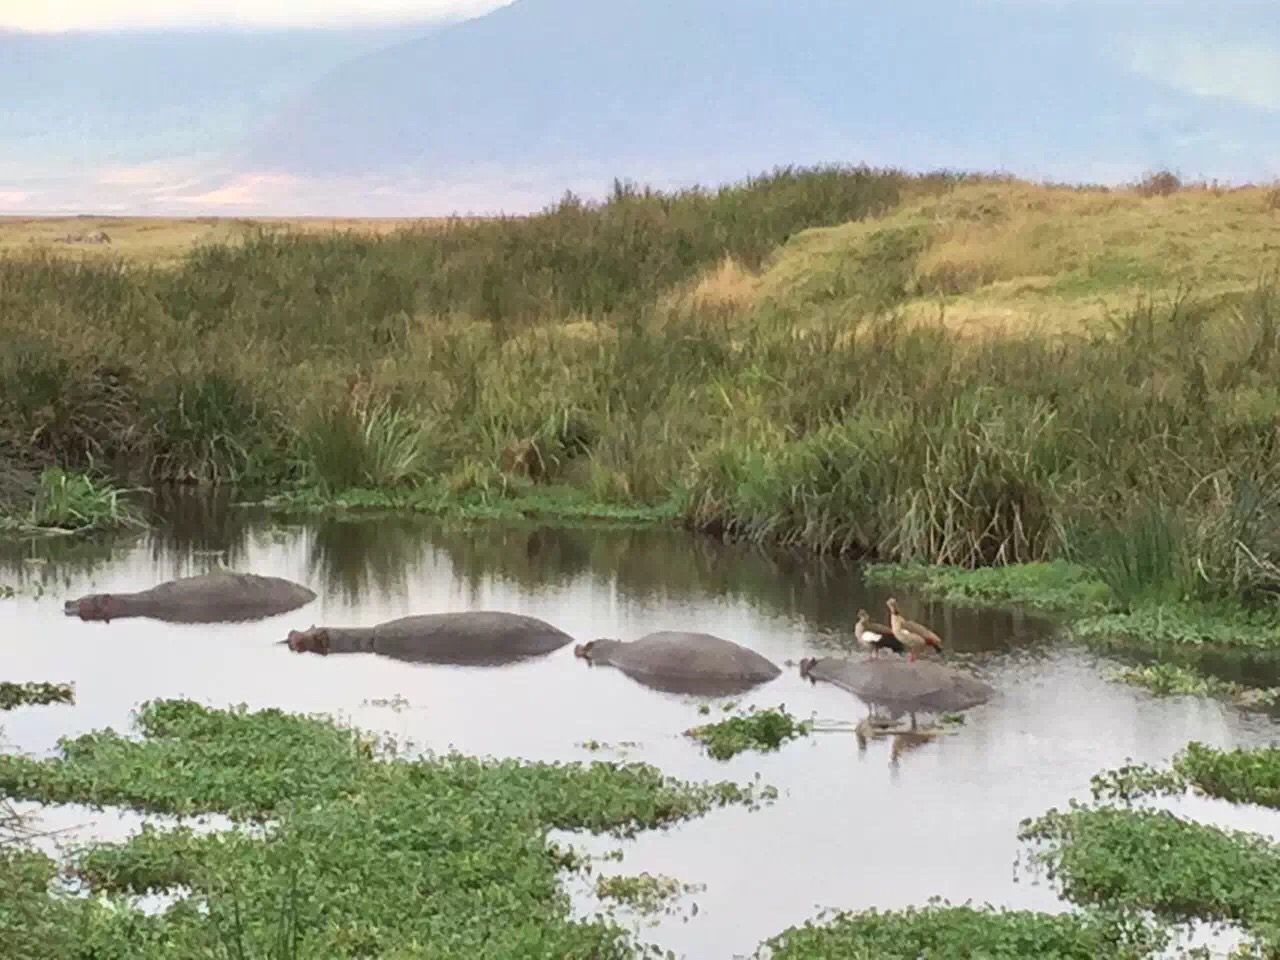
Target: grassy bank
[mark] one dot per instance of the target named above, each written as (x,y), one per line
(812,358)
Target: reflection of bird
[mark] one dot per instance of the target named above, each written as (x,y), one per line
(875,636)
(906,741)
(916,636)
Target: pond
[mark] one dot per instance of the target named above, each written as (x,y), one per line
(853,827)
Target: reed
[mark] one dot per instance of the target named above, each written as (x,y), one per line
(770,360)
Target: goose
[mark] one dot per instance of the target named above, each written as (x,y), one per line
(915,636)
(875,636)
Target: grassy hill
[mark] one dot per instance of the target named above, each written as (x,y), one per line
(1015,256)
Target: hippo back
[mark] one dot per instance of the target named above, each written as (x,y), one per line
(220,596)
(467,637)
(904,685)
(682,662)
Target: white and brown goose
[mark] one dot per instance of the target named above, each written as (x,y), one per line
(915,636)
(875,637)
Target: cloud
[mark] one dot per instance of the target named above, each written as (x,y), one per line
(13,199)
(49,16)
(246,190)
(1244,72)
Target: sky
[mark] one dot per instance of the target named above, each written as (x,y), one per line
(59,15)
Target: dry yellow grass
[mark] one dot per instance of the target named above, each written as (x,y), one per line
(995,257)
(726,285)
(153,240)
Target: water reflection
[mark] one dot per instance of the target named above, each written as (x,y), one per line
(369,557)
(360,560)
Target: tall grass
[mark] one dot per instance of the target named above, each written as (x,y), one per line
(73,501)
(363,444)
(608,348)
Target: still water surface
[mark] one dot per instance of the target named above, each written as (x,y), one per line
(852,828)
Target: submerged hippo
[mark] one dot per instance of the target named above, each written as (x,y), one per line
(679,662)
(218,597)
(901,686)
(480,637)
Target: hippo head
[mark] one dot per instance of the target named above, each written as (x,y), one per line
(96,606)
(595,651)
(313,640)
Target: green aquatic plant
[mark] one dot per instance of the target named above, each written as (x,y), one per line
(340,848)
(1179,870)
(34,694)
(1135,861)
(1189,625)
(762,730)
(1056,586)
(645,893)
(77,502)
(945,932)
(1242,775)
(1171,679)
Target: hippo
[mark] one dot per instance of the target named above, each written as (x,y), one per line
(474,637)
(217,597)
(677,662)
(901,686)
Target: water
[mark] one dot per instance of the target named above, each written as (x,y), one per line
(852,828)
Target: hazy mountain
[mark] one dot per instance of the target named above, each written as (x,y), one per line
(678,89)
(79,100)
(511,108)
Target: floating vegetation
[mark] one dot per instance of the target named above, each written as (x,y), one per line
(945,932)
(597,745)
(1243,775)
(1179,870)
(645,893)
(34,694)
(355,852)
(1056,586)
(1135,861)
(762,730)
(397,702)
(1172,679)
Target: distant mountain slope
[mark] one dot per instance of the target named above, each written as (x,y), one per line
(672,89)
(77,99)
